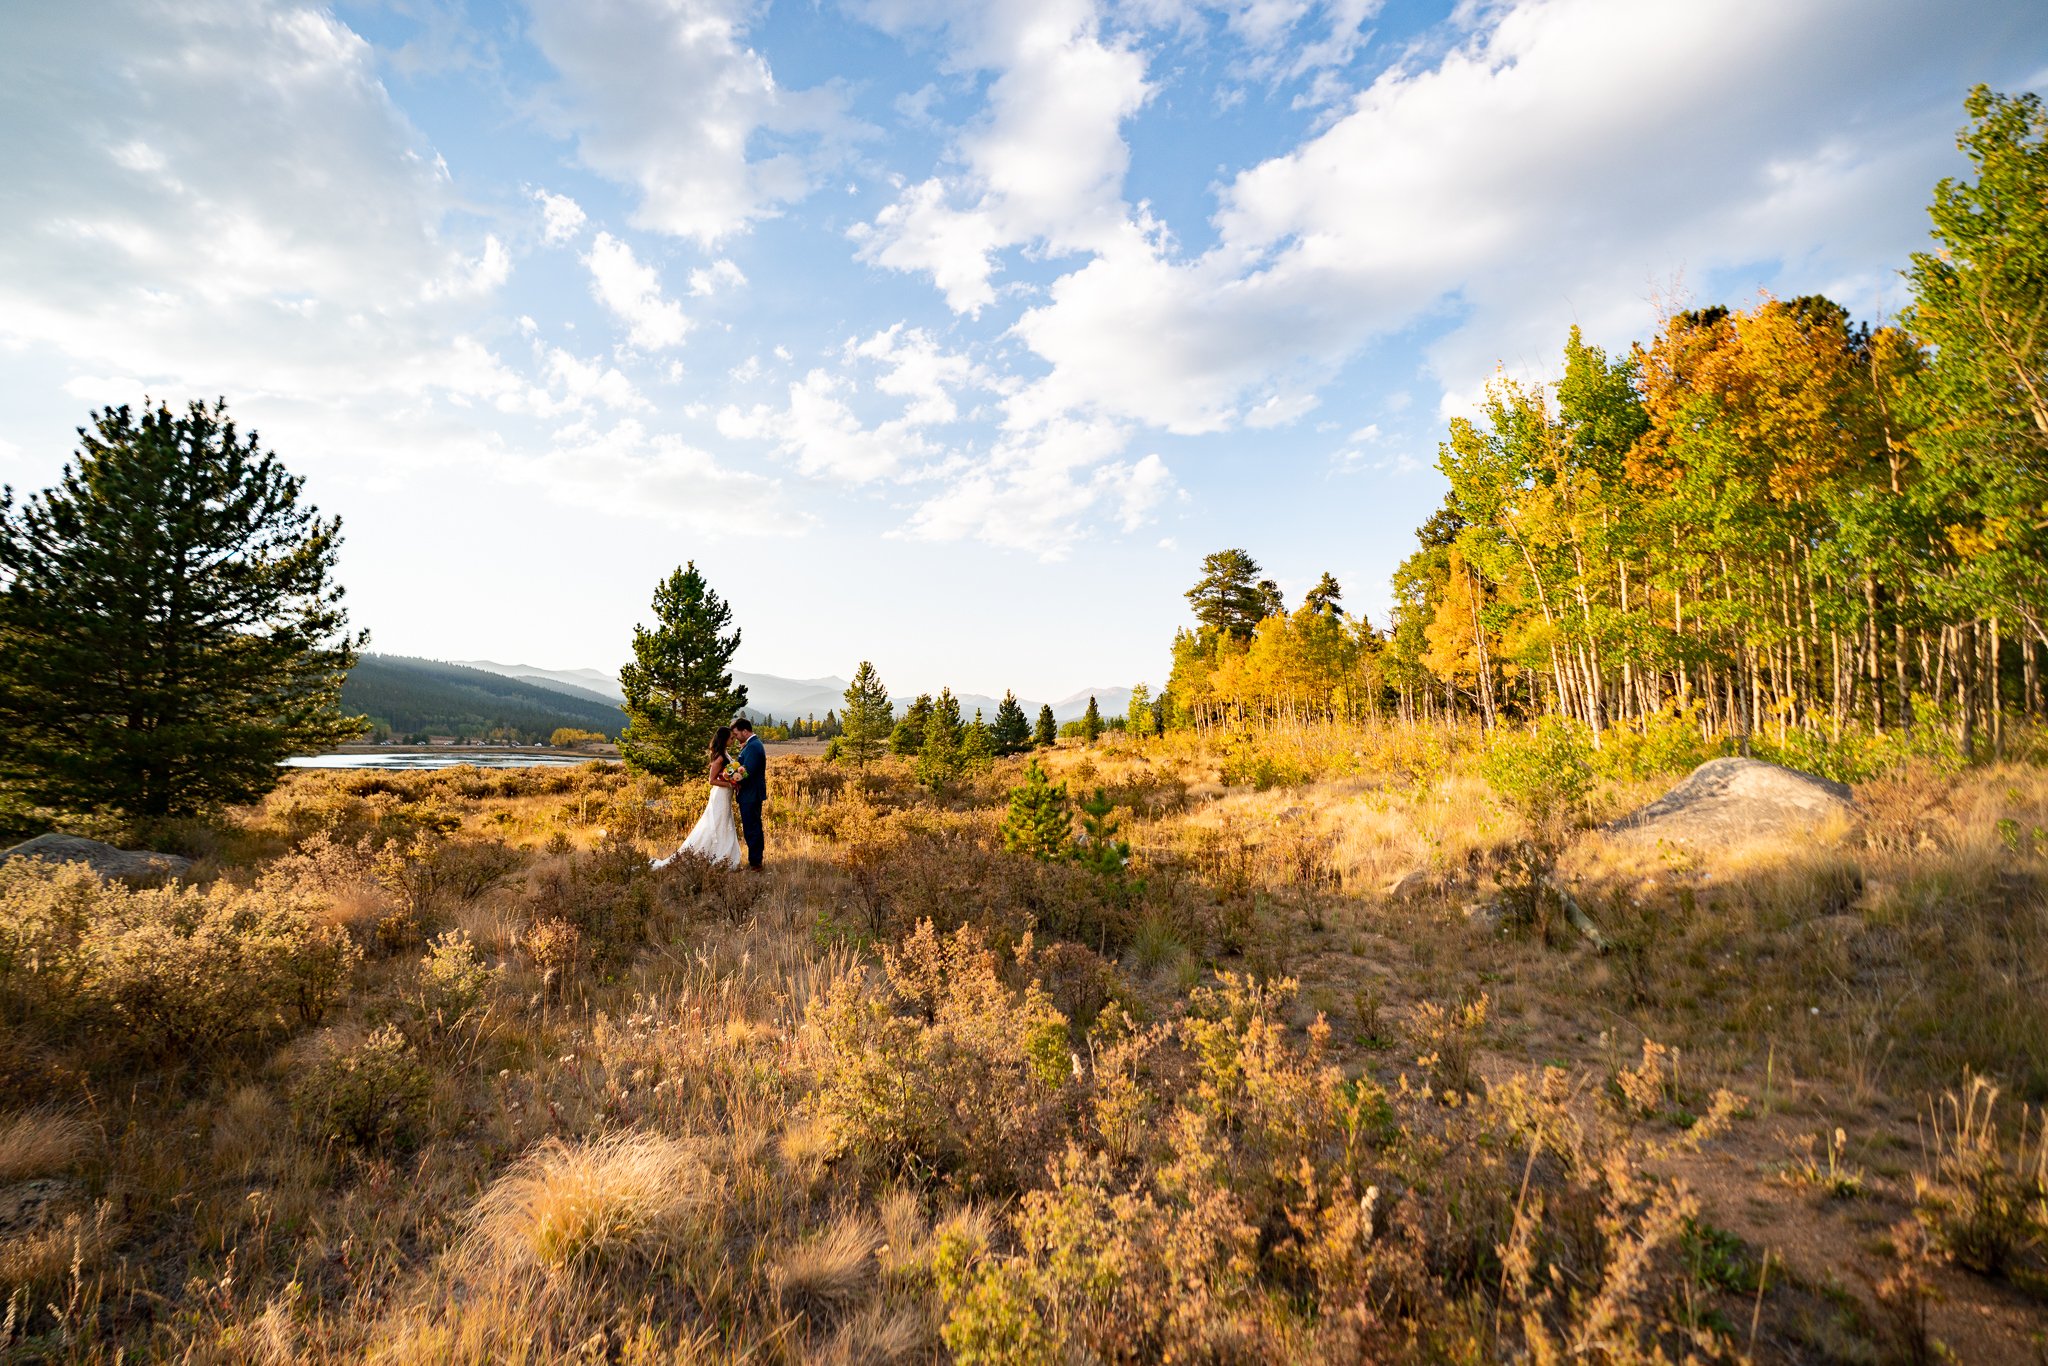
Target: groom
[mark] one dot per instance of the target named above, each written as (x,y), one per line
(753,789)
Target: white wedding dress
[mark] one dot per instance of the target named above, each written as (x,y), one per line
(716,837)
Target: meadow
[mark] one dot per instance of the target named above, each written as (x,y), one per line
(434,1067)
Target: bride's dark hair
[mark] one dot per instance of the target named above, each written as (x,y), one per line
(718,739)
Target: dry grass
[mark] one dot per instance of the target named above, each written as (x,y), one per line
(909,1096)
(42,1143)
(573,1207)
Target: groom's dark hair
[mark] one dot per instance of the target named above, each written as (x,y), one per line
(744,724)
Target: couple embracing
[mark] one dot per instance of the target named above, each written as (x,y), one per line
(735,781)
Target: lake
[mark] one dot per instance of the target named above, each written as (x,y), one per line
(440,757)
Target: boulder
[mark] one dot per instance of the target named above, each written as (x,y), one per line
(1486,916)
(1414,883)
(103,859)
(26,1206)
(1725,803)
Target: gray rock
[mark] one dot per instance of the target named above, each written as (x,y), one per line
(103,859)
(1486,916)
(1725,803)
(1413,883)
(27,1205)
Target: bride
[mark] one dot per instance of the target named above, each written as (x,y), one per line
(714,837)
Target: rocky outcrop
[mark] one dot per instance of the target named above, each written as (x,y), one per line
(27,1206)
(103,859)
(1726,803)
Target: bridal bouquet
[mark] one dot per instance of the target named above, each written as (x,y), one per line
(737,772)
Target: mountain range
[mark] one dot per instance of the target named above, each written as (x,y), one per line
(409,697)
(786,699)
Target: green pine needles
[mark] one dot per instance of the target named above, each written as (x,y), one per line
(679,687)
(868,718)
(1041,818)
(169,625)
(1047,733)
(939,757)
(1041,823)
(1011,732)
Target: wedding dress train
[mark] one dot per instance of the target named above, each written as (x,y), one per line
(714,837)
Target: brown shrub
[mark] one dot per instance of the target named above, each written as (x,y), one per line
(371,1093)
(170,969)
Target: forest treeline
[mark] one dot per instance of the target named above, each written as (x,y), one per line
(1764,520)
(411,699)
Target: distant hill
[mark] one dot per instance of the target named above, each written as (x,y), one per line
(787,699)
(595,682)
(428,697)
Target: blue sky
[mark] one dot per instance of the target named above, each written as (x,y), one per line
(945,335)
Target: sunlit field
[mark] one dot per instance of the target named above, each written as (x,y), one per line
(434,1067)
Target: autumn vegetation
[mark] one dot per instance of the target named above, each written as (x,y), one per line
(1125,1051)
(1771,521)
(1314,1010)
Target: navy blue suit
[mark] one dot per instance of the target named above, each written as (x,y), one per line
(750,794)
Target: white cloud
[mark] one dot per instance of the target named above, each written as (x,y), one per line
(666,96)
(625,469)
(1036,492)
(919,372)
(1144,486)
(561,217)
(1035,489)
(921,231)
(720,274)
(584,380)
(491,269)
(632,292)
(1565,155)
(283,233)
(1044,164)
(820,431)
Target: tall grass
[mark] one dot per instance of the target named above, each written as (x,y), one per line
(913,1096)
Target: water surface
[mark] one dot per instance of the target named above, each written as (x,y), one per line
(439,757)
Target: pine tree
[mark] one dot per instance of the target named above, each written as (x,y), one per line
(977,746)
(946,714)
(1012,730)
(1091,722)
(1041,821)
(169,628)
(1229,596)
(908,737)
(1100,851)
(938,758)
(1326,595)
(866,726)
(679,688)
(1047,733)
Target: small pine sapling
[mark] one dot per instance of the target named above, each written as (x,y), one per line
(1102,853)
(977,752)
(1041,819)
